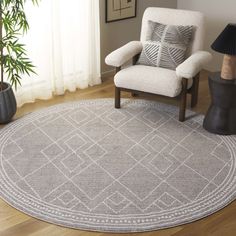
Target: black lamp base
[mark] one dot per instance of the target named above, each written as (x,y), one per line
(221,116)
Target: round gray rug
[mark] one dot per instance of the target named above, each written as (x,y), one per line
(88,166)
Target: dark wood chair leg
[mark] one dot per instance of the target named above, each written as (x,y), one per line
(135,59)
(134,95)
(117,92)
(183,102)
(118,69)
(117,97)
(194,91)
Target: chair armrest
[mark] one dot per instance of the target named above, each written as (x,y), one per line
(193,65)
(120,56)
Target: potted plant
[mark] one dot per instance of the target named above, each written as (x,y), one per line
(13,59)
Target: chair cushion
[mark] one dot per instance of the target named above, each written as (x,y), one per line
(151,80)
(169,16)
(165,45)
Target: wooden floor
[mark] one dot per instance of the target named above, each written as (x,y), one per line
(15,223)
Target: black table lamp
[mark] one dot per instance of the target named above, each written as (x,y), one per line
(226,44)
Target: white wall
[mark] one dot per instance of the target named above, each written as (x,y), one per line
(218,13)
(116,34)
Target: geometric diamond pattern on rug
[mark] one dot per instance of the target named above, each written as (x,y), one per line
(118,166)
(35,136)
(23,130)
(57,129)
(222,153)
(138,152)
(116,117)
(181,153)
(135,129)
(96,129)
(45,180)
(161,163)
(15,177)
(25,166)
(66,197)
(75,142)
(72,162)
(53,151)
(153,116)
(94,177)
(140,181)
(117,202)
(187,182)
(95,152)
(116,141)
(157,144)
(79,116)
(87,164)
(207,167)
(11,149)
(116,198)
(116,208)
(100,109)
(167,199)
(195,141)
(175,130)
(220,177)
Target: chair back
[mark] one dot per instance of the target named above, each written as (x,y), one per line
(177,17)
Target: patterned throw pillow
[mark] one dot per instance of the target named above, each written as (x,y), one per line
(166,45)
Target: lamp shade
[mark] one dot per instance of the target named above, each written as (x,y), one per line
(226,42)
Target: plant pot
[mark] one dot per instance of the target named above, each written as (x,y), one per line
(7,104)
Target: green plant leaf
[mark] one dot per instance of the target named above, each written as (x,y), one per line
(13,55)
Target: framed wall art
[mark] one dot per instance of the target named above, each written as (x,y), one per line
(120,10)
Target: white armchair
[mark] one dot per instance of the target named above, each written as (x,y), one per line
(154,80)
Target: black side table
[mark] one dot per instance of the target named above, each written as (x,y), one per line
(221,116)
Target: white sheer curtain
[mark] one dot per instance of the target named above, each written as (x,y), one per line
(64,45)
